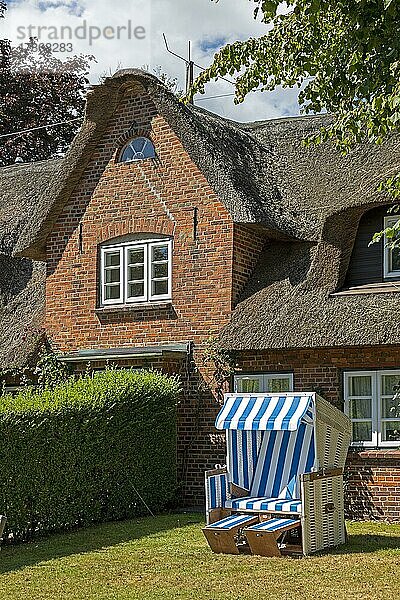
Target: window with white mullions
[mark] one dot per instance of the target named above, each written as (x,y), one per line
(139,148)
(390,407)
(136,272)
(112,276)
(266,382)
(160,267)
(391,260)
(136,261)
(372,401)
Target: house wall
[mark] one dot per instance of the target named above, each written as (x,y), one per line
(148,196)
(208,275)
(247,247)
(372,476)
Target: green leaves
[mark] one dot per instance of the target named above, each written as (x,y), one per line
(75,454)
(344,55)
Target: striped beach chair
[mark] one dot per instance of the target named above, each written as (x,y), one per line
(285,458)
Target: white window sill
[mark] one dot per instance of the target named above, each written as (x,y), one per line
(127,308)
(386,287)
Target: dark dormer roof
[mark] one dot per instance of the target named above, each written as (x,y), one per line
(288,303)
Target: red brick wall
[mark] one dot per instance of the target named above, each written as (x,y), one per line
(373,485)
(248,244)
(148,196)
(151,196)
(159,196)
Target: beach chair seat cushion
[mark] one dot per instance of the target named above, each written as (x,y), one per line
(222,535)
(263,538)
(250,504)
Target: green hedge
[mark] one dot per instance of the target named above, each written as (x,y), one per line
(75,454)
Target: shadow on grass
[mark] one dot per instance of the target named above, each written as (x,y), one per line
(91,539)
(368,543)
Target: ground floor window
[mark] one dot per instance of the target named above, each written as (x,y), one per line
(372,401)
(264,382)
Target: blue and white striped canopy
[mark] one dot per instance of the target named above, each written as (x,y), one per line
(276,412)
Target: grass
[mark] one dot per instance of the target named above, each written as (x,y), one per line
(167,558)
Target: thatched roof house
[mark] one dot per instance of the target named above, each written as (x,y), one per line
(307,201)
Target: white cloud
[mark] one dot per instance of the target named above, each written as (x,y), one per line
(207,24)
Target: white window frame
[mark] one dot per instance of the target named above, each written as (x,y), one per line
(263,378)
(376,408)
(150,276)
(104,252)
(134,299)
(123,249)
(388,273)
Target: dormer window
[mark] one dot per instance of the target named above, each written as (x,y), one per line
(136,272)
(138,148)
(377,265)
(392,255)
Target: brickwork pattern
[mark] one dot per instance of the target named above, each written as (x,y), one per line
(247,247)
(158,197)
(153,196)
(210,268)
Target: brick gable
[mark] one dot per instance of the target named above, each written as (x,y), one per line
(157,196)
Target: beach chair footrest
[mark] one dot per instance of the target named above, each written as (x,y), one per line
(263,537)
(223,536)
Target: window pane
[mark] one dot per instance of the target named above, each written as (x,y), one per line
(159,288)
(391,408)
(362,432)
(143,147)
(361,409)
(160,270)
(135,290)
(360,385)
(112,259)
(137,149)
(128,154)
(136,273)
(160,253)
(389,382)
(112,276)
(112,292)
(395,259)
(248,385)
(391,431)
(136,257)
(278,385)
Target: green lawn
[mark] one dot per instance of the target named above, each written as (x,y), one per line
(167,557)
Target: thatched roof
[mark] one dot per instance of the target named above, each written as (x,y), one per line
(307,200)
(261,171)
(21,188)
(22,286)
(288,304)
(22,281)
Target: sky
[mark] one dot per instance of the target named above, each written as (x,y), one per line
(129,33)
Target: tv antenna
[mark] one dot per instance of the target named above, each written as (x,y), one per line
(190,65)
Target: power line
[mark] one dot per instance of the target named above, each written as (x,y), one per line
(212,97)
(15,133)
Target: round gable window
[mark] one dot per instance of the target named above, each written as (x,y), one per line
(137,149)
